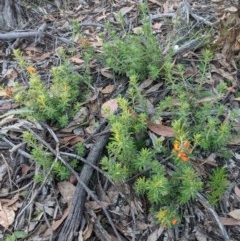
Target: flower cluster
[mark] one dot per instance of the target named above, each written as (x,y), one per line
(31,69)
(182,149)
(167,217)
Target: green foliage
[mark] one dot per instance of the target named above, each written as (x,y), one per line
(188,183)
(46,160)
(55,103)
(80,149)
(20,234)
(200,122)
(197,108)
(134,54)
(38,178)
(217,184)
(127,157)
(197,122)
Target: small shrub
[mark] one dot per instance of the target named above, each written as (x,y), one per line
(197,109)
(199,129)
(134,54)
(217,184)
(55,103)
(126,158)
(46,160)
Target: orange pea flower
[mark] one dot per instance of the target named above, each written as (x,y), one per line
(174,221)
(183,156)
(31,69)
(181,148)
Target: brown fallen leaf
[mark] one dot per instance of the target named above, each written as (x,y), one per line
(95,206)
(145,84)
(67,190)
(77,60)
(154,88)
(7,210)
(237,99)
(225,74)
(105,72)
(157,25)
(108,89)
(71,140)
(7,216)
(235,214)
(155,2)
(25,169)
(97,42)
(42,57)
(9,202)
(9,106)
(30,50)
(165,7)
(88,231)
(229,221)
(237,191)
(125,10)
(109,107)
(57,223)
(160,129)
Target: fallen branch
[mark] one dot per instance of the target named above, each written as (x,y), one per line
(190,45)
(15,35)
(40,32)
(170,15)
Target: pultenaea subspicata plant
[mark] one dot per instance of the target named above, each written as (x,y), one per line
(197,107)
(217,184)
(128,155)
(133,54)
(54,104)
(199,130)
(46,160)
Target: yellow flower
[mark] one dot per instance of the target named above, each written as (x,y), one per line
(176,146)
(31,69)
(162,214)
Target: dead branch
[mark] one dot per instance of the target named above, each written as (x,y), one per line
(170,15)
(190,45)
(15,35)
(100,232)
(38,33)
